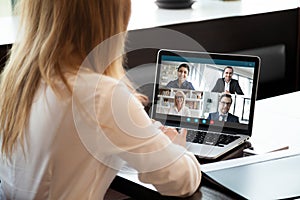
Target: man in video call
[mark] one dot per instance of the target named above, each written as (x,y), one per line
(228,84)
(223,114)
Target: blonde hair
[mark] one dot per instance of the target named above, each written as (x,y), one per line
(57,35)
(181,94)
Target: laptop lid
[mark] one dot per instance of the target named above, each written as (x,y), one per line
(201,99)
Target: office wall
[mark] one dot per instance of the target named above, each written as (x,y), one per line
(254,33)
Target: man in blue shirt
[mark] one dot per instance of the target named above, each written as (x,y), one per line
(223,110)
(181,82)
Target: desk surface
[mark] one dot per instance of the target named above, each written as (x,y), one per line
(146,14)
(276,121)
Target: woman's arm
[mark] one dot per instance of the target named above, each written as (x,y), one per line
(134,138)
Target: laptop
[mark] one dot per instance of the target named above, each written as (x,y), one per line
(208,137)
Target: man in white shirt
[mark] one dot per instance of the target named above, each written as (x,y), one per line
(228,84)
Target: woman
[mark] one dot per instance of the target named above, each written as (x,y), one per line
(179,107)
(181,82)
(69,120)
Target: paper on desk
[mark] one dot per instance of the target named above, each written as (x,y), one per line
(274,175)
(262,149)
(248,160)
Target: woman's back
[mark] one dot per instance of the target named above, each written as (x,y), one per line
(62,162)
(56,163)
(74,145)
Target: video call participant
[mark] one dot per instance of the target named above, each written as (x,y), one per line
(181,82)
(179,107)
(228,84)
(223,114)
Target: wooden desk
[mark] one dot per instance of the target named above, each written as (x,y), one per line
(276,121)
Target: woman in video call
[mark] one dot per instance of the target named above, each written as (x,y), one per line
(179,107)
(69,122)
(182,72)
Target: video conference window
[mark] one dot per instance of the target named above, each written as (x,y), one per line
(205,91)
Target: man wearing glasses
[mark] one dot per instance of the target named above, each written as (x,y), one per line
(223,114)
(181,82)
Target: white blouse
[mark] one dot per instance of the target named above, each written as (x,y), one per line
(185,111)
(74,147)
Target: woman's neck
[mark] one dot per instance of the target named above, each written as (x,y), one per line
(180,82)
(179,107)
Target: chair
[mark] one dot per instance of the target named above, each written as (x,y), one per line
(272,80)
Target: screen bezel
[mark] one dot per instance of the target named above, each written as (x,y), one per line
(178,121)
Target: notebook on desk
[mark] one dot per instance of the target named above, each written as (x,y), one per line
(208,136)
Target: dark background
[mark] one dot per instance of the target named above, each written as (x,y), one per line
(272,36)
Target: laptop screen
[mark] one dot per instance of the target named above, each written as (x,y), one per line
(205,90)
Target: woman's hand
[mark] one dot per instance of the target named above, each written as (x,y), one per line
(177,138)
(172,133)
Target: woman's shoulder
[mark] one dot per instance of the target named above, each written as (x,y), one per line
(87,83)
(172,82)
(90,78)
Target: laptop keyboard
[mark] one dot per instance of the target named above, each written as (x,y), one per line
(210,138)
